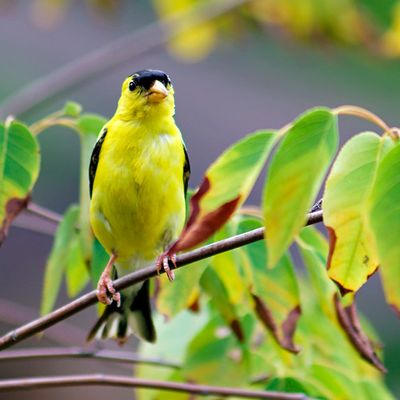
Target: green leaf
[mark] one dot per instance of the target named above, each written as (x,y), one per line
(287,385)
(72,109)
(215,288)
(91,124)
(77,275)
(314,249)
(294,177)
(215,357)
(275,291)
(171,299)
(384,215)
(87,142)
(98,262)
(171,346)
(352,258)
(226,185)
(375,390)
(19,169)
(333,383)
(57,261)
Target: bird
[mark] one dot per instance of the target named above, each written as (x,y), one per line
(138,178)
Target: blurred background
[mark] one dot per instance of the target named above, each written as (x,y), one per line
(258,64)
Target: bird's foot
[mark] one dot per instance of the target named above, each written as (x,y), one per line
(106,292)
(164,262)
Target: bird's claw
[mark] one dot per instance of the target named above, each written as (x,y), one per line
(163,263)
(106,292)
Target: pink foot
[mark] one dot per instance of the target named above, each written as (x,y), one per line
(105,286)
(163,263)
(104,289)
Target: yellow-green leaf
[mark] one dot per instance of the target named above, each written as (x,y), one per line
(72,109)
(384,216)
(57,261)
(19,168)
(215,357)
(194,41)
(294,177)
(352,257)
(98,262)
(275,291)
(215,288)
(314,249)
(77,275)
(226,185)
(171,299)
(90,124)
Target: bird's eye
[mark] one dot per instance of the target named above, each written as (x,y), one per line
(132,86)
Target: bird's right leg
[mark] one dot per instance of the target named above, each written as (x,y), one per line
(105,285)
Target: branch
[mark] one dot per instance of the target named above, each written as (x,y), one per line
(132,46)
(15,314)
(122,381)
(141,275)
(38,219)
(76,352)
(44,213)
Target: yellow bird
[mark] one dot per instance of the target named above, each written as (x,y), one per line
(138,176)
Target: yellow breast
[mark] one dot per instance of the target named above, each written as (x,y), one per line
(138,204)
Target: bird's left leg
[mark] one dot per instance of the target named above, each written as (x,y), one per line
(105,285)
(165,261)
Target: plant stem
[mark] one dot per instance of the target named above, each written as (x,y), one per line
(77,352)
(366,115)
(123,381)
(44,213)
(15,314)
(79,304)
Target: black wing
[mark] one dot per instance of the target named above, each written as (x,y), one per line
(94,159)
(186,170)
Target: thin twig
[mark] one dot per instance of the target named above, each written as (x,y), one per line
(90,298)
(78,352)
(44,213)
(15,314)
(123,381)
(132,46)
(38,219)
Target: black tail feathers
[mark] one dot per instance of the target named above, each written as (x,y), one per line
(132,317)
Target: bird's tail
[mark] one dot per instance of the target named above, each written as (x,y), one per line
(132,317)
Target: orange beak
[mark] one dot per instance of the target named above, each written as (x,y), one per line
(157,93)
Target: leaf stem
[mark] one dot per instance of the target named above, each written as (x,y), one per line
(124,381)
(45,123)
(79,304)
(367,115)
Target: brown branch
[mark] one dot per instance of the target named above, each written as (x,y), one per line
(44,213)
(38,219)
(15,314)
(130,47)
(90,298)
(77,352)
(122,381)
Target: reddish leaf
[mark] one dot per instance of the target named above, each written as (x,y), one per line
(226,185)
(348,319)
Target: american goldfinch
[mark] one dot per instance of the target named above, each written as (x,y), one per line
(138,177)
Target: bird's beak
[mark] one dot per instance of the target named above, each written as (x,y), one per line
(157,93)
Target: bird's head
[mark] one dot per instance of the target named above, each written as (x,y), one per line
(146,93)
